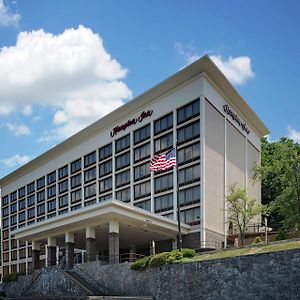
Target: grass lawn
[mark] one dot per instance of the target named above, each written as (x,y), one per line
(249,251)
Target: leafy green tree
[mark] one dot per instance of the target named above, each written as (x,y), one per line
(280,176)
(241,210)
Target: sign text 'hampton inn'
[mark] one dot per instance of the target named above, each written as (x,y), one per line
(235,118)
(124,126)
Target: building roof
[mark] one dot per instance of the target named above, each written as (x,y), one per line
(204,66)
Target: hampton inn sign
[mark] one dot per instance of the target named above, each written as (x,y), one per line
(124,126)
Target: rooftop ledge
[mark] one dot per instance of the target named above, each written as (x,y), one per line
(97,214)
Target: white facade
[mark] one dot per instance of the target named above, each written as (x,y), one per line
(226,154)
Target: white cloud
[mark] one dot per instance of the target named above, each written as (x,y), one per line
(18,130)
(71,73)
(27,110)
(8,18)
(15,161)
(237,69)
(293,134)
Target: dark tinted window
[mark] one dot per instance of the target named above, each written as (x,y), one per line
(123,195)
(188,111)
(40,183)
(63,186)
(105,152)
(189,154)
(163,203)
(75,181)
(188,133)
(123,178)
(90,175)
(90,191)
(163,183)
(22,192)
(122,160)
(189,196)
(76,196)
(105,168)
(30,188)
(63,172)
(76,166)
(142,190)
(105,185)
(123,143)
(189,175)
(163,143)
(163,124)
(142,171)
(90,159)
(51,178)
(142,134)
(144,205)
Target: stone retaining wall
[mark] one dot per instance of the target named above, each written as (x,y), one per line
(262,276)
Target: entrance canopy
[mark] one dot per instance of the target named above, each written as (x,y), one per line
(136,225)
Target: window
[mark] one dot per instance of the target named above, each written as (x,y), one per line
(90,202)
(63,186)
(163,143)
(142,190)
(63,201)
(22,254)
(189,175)
(13,220)
(142,152)
(31,213)
(189,154)
(76,166)
(163,183)
(30,188)
(51,178)
(122,143)
(191,216)
(142,134)
(144,205)
(75,181)
(188,111)
(64,211)
(5,212)
(6,257)
(5,234)
(63,172)
(5,223)
(5,200)
(105,185)
(123,195)
(31,199)
(188,133)
(51,205)
(163,203)
(142,171)
(163,124)
(90,159)
(13,257)
(90,175)
(5,245)
(41,195)
(123,178)
(51,191)
(13,196)
(90,191)
(106,197)
(40,209)
(105,152)
(189,196)
(123,161)
(40,183)
(76,196)
(105,168)
(75,207)
(22,192)
(13,208)
(22,204)
(22,217)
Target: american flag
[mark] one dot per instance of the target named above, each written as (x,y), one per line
(165,161)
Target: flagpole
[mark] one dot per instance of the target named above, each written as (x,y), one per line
(179,242)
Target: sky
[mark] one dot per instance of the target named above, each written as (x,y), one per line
(65,63)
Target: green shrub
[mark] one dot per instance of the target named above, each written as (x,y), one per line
(257,241)
(281,235)
(141,264)
(11,277)
(188,252)
(183,260)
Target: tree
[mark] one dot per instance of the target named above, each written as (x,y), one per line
(241,210)
(280,176)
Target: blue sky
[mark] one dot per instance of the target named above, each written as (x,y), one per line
(64,64)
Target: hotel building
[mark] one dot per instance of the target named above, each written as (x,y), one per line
(95,191)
